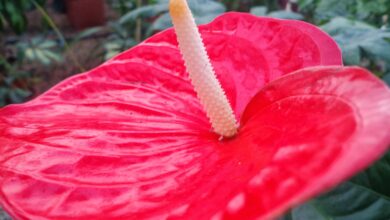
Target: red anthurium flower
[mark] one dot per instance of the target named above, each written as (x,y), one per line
(130,139)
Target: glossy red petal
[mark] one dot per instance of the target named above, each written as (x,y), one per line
(327,123)
(246,51)
(129,139)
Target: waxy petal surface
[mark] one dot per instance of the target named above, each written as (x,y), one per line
(329,122)
(246,51)
(129,139)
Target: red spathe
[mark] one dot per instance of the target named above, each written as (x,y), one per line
(129,139)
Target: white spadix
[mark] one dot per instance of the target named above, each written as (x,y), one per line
(201,72)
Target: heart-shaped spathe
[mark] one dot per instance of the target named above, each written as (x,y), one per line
(129,139)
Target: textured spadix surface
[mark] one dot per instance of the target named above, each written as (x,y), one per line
(200,71)
(129,139)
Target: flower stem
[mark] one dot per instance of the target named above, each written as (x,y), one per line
(201,73)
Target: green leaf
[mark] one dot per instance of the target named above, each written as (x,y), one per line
(1,21)
(40,49)
(339,24)
(259,10)
(115,46)
(13,12)
(18,95)
(368,11)
(310,211)
(47,44)
(203,8)
(327,9)
(161,23)
(366,196)
(86,33)
(3,96)
(286,15)
(41,57)
(112,48)
(52,55)
(304,4)
(145,11)
(351,55)
(19,74)
(204,11)
(371,42)
(376,46)
(369,8)
(358,39)
(376,177)
(386,78)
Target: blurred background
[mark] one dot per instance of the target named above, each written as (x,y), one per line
(45,41)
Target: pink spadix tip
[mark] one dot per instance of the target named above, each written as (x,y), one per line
(201,72)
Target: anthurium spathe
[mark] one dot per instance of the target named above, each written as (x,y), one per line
(130,139)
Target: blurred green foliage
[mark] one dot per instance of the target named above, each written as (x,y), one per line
(360,27)
(321,11)
(140,19)
(14,14)
(204,11)
(13,83)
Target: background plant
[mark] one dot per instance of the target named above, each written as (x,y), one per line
(14,82)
